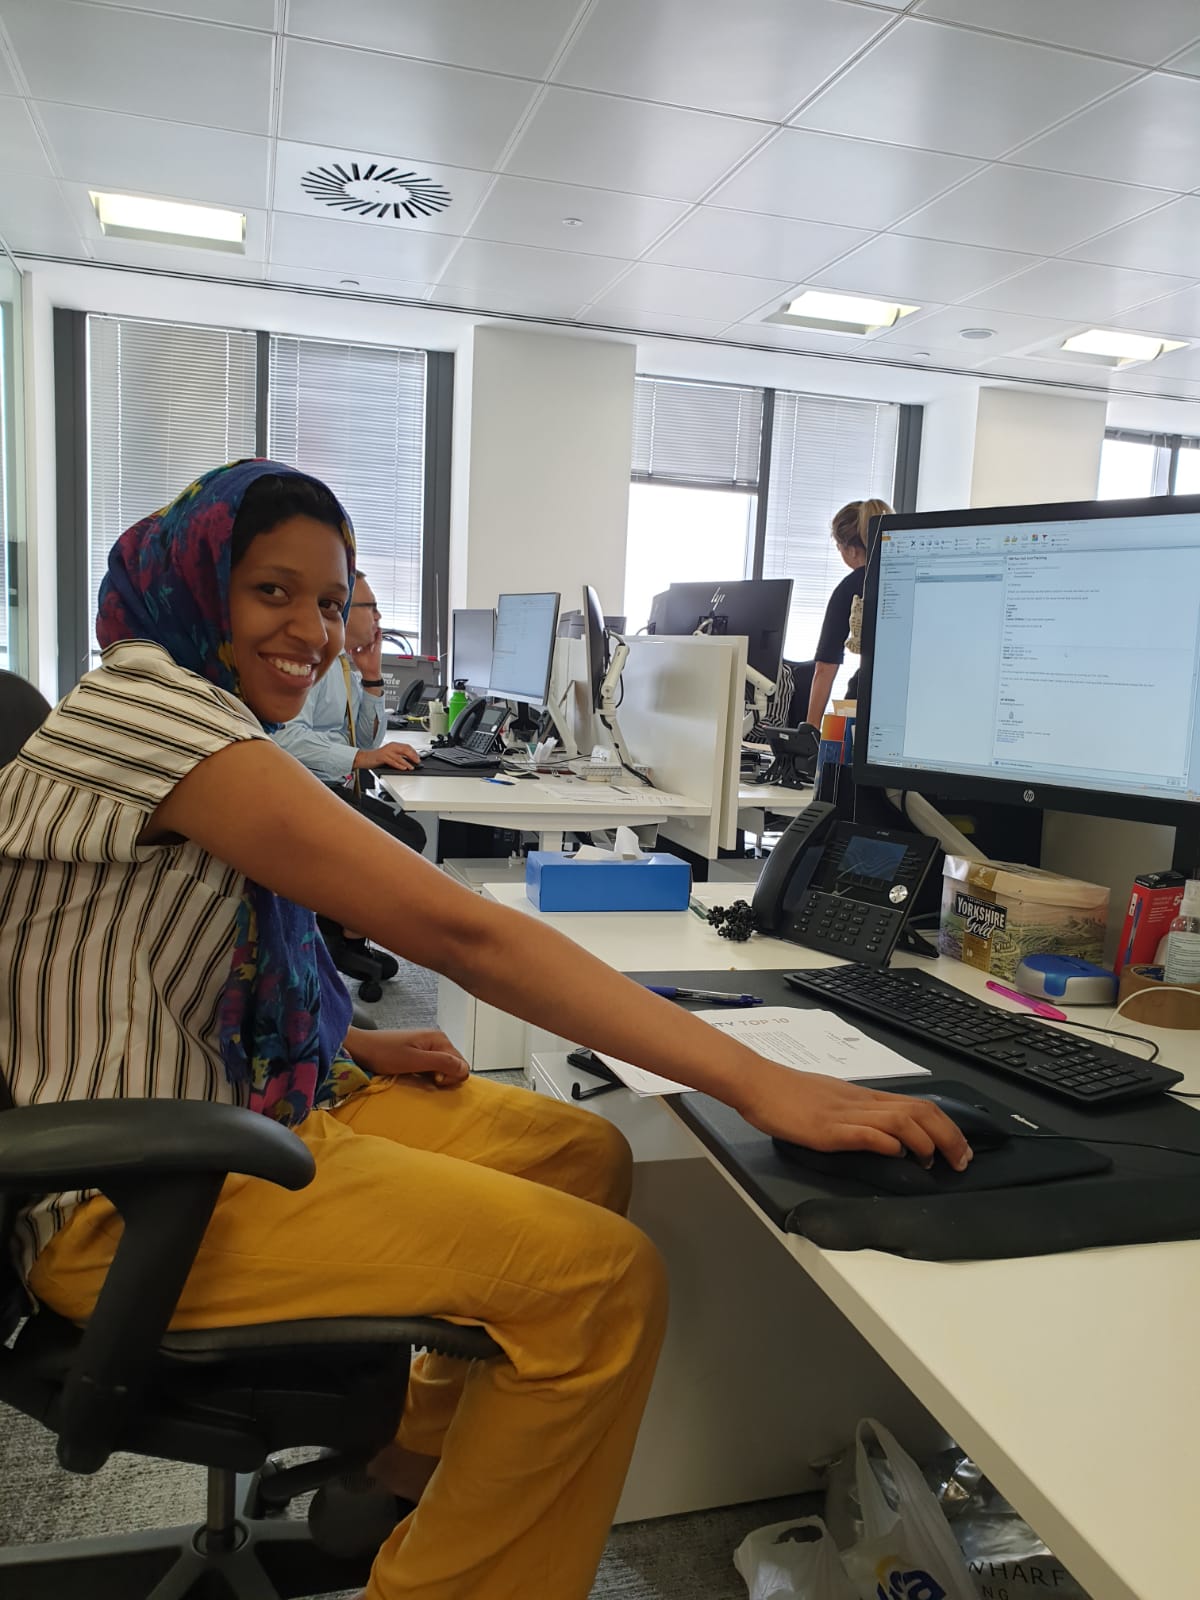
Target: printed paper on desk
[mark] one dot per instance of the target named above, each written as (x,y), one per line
(807,1041)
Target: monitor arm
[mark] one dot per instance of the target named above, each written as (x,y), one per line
(761,690)
(608,697)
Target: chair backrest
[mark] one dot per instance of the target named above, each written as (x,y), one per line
(22,712)
(802,677)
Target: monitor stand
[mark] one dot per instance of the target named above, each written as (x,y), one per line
(524,725)
(1185,857)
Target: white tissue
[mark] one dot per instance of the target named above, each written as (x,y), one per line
(627,849)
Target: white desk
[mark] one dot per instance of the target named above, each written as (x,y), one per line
(755,800)
(534,804)
(1071,1379)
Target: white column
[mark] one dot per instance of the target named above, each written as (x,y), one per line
(550,427)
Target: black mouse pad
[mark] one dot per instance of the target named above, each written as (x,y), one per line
(1024,1159)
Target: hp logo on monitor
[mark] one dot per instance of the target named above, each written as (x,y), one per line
(1029,797)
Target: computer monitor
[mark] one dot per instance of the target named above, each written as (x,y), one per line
(595,643)
(1044,656)
(523,647)
(757,608)
(471,648)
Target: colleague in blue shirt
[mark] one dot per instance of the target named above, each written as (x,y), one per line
(341,737)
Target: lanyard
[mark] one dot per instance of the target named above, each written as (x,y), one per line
(350,720)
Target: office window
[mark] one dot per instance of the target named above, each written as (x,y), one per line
(1187,468)
(1132,467)
(354,416)
(693,498)
(166,402)
(824,452)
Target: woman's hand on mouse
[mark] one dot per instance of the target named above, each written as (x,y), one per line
(827,1114)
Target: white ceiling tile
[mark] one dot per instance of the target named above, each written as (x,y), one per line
(593,139)
(529,211)
(712,296)
(355,98)
(941,332)
(110,151)
(176,258)
(351,249)
(34,217)
(517,271)
(8,83)
(801,340)
(1147,34)
(1178,316)
(1020,208)
(1177,364)
(122,60)
(561,304)
(656,322)
(1148,133)
(850,181)
(332,282)
(1187,61)
(920,270)
(245,13)
(1168,240)
(294,161)
(1074,374)
(760,58)
(23,152)
(1079,290)
(518,37)
(716,240)
(948,89)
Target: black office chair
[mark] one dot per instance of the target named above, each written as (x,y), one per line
(222,1398)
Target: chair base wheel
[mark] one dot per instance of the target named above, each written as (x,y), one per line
(370,991)
(351,1516)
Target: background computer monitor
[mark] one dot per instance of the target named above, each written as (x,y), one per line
(595,643)
(523,647)
(471,648)
(1045,656)
(757,608)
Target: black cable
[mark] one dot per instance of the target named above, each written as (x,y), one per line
(1119,1144)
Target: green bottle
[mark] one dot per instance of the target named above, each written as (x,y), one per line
(457,702)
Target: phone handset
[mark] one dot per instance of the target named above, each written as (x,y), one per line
(785,874)
(467,721)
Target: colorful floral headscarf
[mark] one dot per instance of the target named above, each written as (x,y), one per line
(285,1010)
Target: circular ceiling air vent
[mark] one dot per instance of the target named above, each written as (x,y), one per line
(386,193)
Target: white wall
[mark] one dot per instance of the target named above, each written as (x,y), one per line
(1032,447)
(551,431)
(947,450)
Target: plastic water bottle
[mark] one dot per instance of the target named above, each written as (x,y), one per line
(1182,961)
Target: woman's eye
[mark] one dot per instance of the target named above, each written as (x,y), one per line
(332,608)
(272,589)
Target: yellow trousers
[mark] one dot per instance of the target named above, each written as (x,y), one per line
(485,1203)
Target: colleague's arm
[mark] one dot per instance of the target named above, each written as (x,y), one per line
(824,672)
(314,737)
(249,806)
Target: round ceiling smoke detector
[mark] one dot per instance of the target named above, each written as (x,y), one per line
(375,189)
(977,333)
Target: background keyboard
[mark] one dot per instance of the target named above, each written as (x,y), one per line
(986,1037)
(457,755)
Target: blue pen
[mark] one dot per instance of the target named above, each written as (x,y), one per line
(670,991)
(506,783)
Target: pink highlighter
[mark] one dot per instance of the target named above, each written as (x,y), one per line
(1038,1006)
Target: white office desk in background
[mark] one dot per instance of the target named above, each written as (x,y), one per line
(548,806)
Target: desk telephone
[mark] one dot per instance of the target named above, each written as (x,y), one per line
(841,887)
(475,738)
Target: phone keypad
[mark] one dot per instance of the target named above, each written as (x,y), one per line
(843,926)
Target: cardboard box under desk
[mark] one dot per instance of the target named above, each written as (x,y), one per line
(557,882)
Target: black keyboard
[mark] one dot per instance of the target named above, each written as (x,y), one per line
(457,755)
(997,1041)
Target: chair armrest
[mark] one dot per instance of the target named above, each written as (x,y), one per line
(162,1164)
(95,1144)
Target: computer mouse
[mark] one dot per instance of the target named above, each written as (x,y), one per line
(981,1128)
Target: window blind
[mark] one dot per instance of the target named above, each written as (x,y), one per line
(707,435)
(824,452)
(354,416)
(165,403)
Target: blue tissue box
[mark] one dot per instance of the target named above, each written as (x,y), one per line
(555,882)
